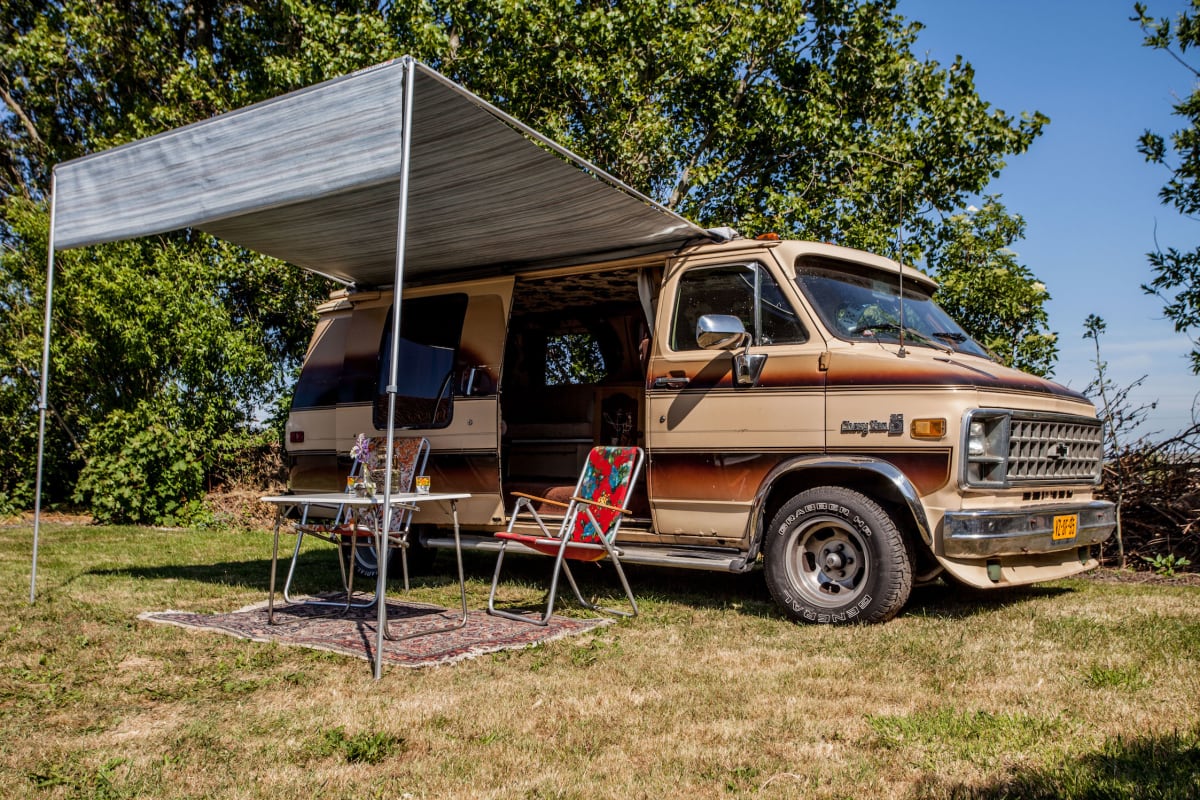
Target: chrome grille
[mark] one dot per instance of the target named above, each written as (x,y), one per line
(1046,448)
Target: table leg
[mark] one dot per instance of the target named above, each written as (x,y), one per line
(462,582)
(382,520)
(274,561)
(462,586)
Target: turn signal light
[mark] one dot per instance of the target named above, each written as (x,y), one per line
(928,428)
(296,437)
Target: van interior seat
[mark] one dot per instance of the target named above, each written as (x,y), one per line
(558,491)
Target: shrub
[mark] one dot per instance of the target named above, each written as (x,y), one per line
(143,467)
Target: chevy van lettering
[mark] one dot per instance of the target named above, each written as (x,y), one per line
(893,427)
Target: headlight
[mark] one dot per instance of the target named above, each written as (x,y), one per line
(976,443)
(986,448)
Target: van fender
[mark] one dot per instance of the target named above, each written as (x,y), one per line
(836,470)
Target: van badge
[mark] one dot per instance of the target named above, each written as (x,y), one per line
(893,427)
(1058,450)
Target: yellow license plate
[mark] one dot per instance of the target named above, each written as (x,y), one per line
(1065,527)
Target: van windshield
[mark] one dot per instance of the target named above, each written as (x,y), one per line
(864,306)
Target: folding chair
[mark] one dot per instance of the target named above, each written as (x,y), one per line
(588,530)
(351,525)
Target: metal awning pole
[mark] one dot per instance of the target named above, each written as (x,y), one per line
(394,374)
(45,383)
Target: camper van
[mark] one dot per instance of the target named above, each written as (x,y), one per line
(807,410)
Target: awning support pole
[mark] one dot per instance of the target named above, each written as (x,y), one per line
(394,374)
(42,395)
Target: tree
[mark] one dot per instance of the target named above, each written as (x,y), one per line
(805,118)
(181,334)
(998,300)
(809,118)
(1177,272)
(1119,417)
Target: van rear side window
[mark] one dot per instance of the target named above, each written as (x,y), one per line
(430,330)
(319,381)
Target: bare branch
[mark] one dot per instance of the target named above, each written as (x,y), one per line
(26,122)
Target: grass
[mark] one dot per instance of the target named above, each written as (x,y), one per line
(1077,689)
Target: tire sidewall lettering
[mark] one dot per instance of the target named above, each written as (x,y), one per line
(839,510)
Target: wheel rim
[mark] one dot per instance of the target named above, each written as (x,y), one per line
(828,562)
(366,561)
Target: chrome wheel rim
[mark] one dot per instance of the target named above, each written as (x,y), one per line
(828,562)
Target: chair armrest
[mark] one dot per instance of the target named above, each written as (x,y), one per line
(598,504)
(527,501)
(558,503)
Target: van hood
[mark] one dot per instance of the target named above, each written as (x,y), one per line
(880,368)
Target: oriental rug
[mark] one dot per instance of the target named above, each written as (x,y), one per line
(353,633)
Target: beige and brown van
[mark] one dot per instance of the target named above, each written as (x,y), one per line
(806,409)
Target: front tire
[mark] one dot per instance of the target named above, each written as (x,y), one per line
(833,555)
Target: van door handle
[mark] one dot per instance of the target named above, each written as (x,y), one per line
(671,381)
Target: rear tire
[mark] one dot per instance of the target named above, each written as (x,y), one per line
(833,555)
(366,561)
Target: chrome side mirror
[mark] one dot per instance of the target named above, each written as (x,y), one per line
(720,332)
(726,332)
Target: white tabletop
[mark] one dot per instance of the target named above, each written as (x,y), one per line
(346,498)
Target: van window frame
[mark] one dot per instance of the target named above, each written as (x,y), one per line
(761,276)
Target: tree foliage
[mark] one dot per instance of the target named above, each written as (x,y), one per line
(988,291)
(1177,272)
(810,118)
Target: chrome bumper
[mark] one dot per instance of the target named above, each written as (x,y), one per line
(978,534)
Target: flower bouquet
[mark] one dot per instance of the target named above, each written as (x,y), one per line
(363,454)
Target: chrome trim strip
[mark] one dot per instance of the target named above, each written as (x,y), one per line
(883,469)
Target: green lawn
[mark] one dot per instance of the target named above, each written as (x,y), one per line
(1077,689)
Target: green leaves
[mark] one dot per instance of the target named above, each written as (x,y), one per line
(1177,273)
(144,467)
(982,285)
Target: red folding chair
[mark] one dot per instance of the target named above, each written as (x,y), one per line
(588,530)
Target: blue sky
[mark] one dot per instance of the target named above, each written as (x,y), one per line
(1089,199)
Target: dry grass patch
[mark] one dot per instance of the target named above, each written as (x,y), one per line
(708,694)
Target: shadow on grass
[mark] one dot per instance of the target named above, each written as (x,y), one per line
(746,593)
(255,573)
(1152,767)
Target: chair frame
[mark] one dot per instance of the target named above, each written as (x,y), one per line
(345,528)
(564,548)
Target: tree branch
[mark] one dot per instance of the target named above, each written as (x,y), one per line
(26,122)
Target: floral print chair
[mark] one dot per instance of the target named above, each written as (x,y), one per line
(353,529)
(588,530)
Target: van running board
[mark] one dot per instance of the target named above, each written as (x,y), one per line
(651,555)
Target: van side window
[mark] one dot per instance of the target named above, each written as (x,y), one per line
(746,291)
(430,330)
(319,381)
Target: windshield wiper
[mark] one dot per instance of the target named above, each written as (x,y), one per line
(953,336)
(912,332)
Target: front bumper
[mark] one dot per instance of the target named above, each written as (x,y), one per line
(981,534)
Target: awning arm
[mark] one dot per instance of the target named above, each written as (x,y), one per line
(394,373)
(44,391)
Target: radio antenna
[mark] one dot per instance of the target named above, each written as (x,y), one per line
(900,263)
(902,353)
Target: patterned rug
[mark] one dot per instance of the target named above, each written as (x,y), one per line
(354,633)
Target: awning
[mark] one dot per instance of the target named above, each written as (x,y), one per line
(388,173)
(313,178)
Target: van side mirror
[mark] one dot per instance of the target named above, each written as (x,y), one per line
(720,332)
(726,332)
